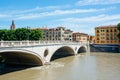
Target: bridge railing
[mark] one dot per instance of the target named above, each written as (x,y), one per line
(31,43)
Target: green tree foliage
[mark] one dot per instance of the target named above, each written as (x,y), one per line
(118,27)
(35,34)
(2,32)
(9,35)
(20,34)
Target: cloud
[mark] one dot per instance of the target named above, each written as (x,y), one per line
(3,15)
(40,12)
(4,27)
(99,18)
(87,24)
(96,2)
(57,12)
(36,9)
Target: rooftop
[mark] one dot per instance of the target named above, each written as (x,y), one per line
(107,26)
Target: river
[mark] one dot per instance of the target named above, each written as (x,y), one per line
(97,66)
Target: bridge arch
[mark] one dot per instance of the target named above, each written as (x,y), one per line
(62,52)
(82,49)
(21,57)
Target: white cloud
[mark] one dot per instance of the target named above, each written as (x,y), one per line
(99,18)
(87,24)
(94,2)
(3,15)
(36,9)
(112,22)
(57,12)
(4,27)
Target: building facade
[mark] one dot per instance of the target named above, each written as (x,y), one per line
(106,35)
(91,39)
(56,34)
(80,37)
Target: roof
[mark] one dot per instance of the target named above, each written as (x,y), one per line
(80,33)
(107,26)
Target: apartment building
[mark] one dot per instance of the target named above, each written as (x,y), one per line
(56,34)
(80,37)
(91,39)
(106,35)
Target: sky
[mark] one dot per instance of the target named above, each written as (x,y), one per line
(78,15)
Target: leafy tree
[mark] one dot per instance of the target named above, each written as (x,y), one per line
(2,32)
(35,34)
(9,35)
(118,27)
(22,34)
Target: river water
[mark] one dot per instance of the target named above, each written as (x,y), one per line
(97,66)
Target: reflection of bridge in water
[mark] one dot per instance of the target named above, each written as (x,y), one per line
(37,52)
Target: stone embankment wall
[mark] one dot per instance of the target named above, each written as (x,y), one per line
(104,48)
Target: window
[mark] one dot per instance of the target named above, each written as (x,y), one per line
(102,30)
(97,31)
(107,38)
(97,34)
(97,38)
(110,30)
(107,34)
(97,41)
(107,30)
(111,35)
(111,38)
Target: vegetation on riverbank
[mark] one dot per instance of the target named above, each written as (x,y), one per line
(20,34)
(118,27)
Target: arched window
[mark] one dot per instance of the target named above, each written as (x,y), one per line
(97,31)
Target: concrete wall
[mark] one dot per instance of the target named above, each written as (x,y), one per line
(104,48)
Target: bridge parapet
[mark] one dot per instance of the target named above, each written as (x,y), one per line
(31,43)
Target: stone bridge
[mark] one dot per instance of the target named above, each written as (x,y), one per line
(38,52)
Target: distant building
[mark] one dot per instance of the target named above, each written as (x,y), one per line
(56,34)
(106,35)
(67,35)
(91,39)
(80,37)
(12,27)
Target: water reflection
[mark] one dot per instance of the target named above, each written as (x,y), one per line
(98,66)
(8,68)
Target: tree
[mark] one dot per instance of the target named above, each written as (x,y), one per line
(118,27)
(35,34)
(2,32)
(9,35)
(22,34)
